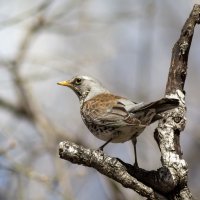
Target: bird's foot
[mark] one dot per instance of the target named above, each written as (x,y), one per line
(135,165)
(100,148)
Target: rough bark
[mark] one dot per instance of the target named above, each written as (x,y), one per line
(169,181)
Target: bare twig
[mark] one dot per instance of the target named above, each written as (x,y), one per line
(5,104)
(23,16)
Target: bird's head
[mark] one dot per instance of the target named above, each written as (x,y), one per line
(84,86)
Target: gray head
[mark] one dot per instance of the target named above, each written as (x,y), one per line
(85,87)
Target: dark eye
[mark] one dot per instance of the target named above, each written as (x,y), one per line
(78,81)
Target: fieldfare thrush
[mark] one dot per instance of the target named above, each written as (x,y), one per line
(113,118)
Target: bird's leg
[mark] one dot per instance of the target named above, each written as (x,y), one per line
(134,141)
(101,147)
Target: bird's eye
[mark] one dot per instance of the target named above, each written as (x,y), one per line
(78,81)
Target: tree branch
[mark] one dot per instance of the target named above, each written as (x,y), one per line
(17,110)
(111,167)
(169,181)
(167,134)
(23,16)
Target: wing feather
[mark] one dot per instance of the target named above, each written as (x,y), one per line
(112,111)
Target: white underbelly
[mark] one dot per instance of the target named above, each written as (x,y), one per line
(120,135)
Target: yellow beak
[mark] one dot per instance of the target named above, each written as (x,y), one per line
(65,83)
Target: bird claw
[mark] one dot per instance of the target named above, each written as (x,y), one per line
(100,148)
(135,165)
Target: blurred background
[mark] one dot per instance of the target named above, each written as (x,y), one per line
(127,46)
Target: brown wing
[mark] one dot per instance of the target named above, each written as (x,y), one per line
(107,109)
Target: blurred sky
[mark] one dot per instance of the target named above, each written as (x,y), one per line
(127,46)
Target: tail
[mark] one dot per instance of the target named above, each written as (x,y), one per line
(160,106)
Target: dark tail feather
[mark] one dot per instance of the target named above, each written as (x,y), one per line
(155,118)
(161,105)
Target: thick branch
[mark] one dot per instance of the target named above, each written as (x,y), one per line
(178,67)
(167,134)
(173,174)
(111,167)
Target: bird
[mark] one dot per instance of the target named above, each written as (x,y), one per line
(113,118)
